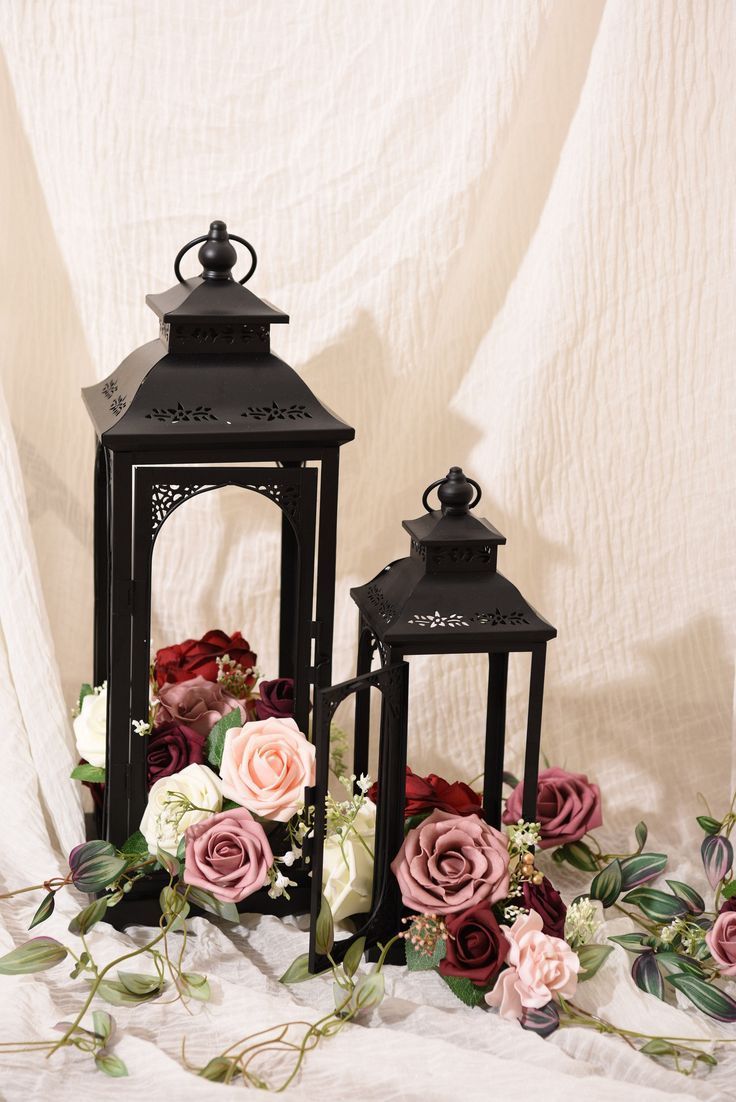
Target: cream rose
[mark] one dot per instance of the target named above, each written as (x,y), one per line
(266,765)
(347,872)
(90,727)
(165,819)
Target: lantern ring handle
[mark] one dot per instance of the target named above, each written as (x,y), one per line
(440,481)
(205,237)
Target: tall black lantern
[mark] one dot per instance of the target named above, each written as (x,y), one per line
(446,597)
(205,405)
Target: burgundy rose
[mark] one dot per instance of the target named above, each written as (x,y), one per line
(428,793)
(197,703)
(227,855)
(727,905)
(276,699)
(568,806)
(547,902)
(476,947)
(197,657)
(171,748)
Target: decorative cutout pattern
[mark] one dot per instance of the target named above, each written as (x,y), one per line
(110,388)
(117,405)
(451,556)
(436,620)
(387,611)
(165,497)
(419,549)
(219,334)
(496,618)
(275,412)
(174,414)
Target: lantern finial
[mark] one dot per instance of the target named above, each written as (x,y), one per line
(456,493)
(217,256)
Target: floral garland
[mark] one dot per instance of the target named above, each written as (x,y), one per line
(226,761)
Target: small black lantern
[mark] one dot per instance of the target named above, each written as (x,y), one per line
(446,597)
(205,405)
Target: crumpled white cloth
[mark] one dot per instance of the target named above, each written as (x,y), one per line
(503,232)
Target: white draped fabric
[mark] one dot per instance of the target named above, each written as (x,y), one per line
(503,230)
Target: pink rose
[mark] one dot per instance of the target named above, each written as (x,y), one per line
(568,806)
(198,703)
(451,862)
(539,966)
(266,765)
(227,855)
(721,940)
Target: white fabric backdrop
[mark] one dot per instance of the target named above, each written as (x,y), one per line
(503,231)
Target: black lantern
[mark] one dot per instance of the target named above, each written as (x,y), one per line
(446,597)
(205,405)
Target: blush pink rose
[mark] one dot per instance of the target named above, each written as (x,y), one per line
(568,806)
(539,967)
(450,863)
(198,703)
(227,855)
(721,940)
(266,765)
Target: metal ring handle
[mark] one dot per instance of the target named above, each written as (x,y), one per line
(205,237)
(441,482)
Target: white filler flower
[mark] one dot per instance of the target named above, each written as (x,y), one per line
(90,727)
(175,802)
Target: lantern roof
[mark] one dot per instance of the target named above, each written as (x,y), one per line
(210,377)
(447,595)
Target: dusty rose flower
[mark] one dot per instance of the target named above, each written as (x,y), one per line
(171,747)
(450,863)
(276,698)
(197,703)
(198,657)
(227,855)
(266,765)
(568,806)
(547,902)
(539,967)
(476,947)
(721,940)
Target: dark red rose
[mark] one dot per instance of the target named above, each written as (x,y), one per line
(476,947)
(171,747)
(547,902)
(277,699)
(427,793)
(197,657)
(727,905)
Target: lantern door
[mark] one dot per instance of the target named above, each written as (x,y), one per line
(382,922)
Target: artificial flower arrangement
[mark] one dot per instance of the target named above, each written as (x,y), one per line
(226,759)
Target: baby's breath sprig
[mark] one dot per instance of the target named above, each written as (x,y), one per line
(239,681)
(523,838)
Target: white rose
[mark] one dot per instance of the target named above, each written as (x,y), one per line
(164,820)
(90,727)
(347,873)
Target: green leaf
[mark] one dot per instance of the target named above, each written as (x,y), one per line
(641,868)
(647,975)
(85,690)
(217,1069)
(174,907)
(228,805)
(679,963)
(692,900)
(641,832)
(579,855)
(167,862)
(369,991)
(95,865)
(207,902)
(510,780)
(298,970)
(35,955)
(325,928)
(110,1064)
(417,961)
(136,847)
(728,890)
(103,1025)
(708,824)
(181,850)
(216,739)
(44,911)
(591,958)
(195,986)
(80,966)
(140,984)
(414,821)
(658,1047)
(712,1001)
(606,886)
(717,853)
(353,957)
(659,906)
(87,918)
(634,943)
(93,774)
(466,991)
(543,1021)
(117,994)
